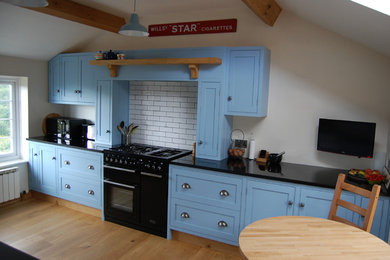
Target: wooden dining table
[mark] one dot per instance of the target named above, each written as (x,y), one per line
(298,237)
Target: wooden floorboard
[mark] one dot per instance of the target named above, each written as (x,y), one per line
(49,231)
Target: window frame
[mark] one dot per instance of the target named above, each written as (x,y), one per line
(15,83)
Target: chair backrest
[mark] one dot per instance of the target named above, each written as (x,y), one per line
(368,213)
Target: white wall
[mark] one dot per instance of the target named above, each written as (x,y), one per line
(38,105)
(314,73)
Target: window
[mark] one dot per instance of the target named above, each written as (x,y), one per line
(8,118)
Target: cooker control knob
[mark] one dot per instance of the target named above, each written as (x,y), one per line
(159,168)
(111,159)
(116,160)
(120,161)
(125,162)
(147,166)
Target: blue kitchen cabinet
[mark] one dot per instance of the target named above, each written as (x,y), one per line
(55,83)
(112,107)
(80,176)
(248,81)
(380,224)
(267,199)
(208,123)
(72,80)
(42,168)
(204,203)
(315,202)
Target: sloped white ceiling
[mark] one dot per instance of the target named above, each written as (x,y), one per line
(29,34)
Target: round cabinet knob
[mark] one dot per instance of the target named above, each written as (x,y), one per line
(186,186)
(290,203)
(53,158)
(108,131)
(184,215)
(223,193)
(67,162)
(57,90)
(35,154)
(301,204)
(230,98)
(222,224)
(200,142)
(91,192)
(67,186)
(76,91)
(91,167)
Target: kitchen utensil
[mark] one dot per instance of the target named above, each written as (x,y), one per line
(120,129)
(133,129)
(122,124)
(275,158)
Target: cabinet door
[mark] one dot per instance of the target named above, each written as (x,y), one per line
(103,112)
(88,82)
(208,119)
(265,199)
(48,176)
(71,78)
(248,82)
(34,167)
(380,224)
(55,83)
(316,203)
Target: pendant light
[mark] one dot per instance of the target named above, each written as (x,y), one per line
(133,27)
(28,3)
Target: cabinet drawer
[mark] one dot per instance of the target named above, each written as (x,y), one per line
(201,186)
(80,191)
(207,221)
(80,163)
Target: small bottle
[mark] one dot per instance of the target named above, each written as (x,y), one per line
(99,55)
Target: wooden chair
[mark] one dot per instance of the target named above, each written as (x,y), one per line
(368,213)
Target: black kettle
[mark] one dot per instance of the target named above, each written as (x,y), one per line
(111,55)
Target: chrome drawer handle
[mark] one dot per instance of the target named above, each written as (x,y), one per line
(186,186)
(67,162)
(223,193)
(91,167)
(290,203)
(67,186)
(91,192)
(184,215)
(222,224)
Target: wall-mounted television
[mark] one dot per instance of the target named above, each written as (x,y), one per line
(346,137)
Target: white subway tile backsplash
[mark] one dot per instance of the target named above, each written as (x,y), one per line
(165,113)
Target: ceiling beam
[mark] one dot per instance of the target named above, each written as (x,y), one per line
(267,10)
(83,14)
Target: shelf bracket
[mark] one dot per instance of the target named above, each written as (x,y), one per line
(113,70)
(194,68)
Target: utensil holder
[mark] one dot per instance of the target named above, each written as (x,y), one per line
(127,139)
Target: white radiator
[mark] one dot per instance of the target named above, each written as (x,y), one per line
(9,184)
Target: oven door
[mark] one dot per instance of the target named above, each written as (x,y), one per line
(121,200)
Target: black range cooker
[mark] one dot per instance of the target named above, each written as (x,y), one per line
(136,186)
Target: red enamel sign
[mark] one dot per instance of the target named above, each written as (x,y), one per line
(199,27)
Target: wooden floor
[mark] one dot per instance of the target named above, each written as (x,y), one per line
(49,231)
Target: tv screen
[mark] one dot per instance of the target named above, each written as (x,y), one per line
(346,137)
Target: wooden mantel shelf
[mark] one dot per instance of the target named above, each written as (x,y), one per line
(193,63)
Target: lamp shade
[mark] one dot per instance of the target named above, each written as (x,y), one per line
(133,28)
(28,3)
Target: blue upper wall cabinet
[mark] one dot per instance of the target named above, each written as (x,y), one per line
(248,80)
(112,107)
(238,86)
(72,80)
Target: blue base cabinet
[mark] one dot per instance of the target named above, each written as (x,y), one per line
(67,173)
(42,168)
(204,203)
(219,205)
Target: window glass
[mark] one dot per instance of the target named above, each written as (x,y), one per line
(7,120)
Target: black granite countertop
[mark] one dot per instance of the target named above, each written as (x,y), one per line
(78,144)
(288,172)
